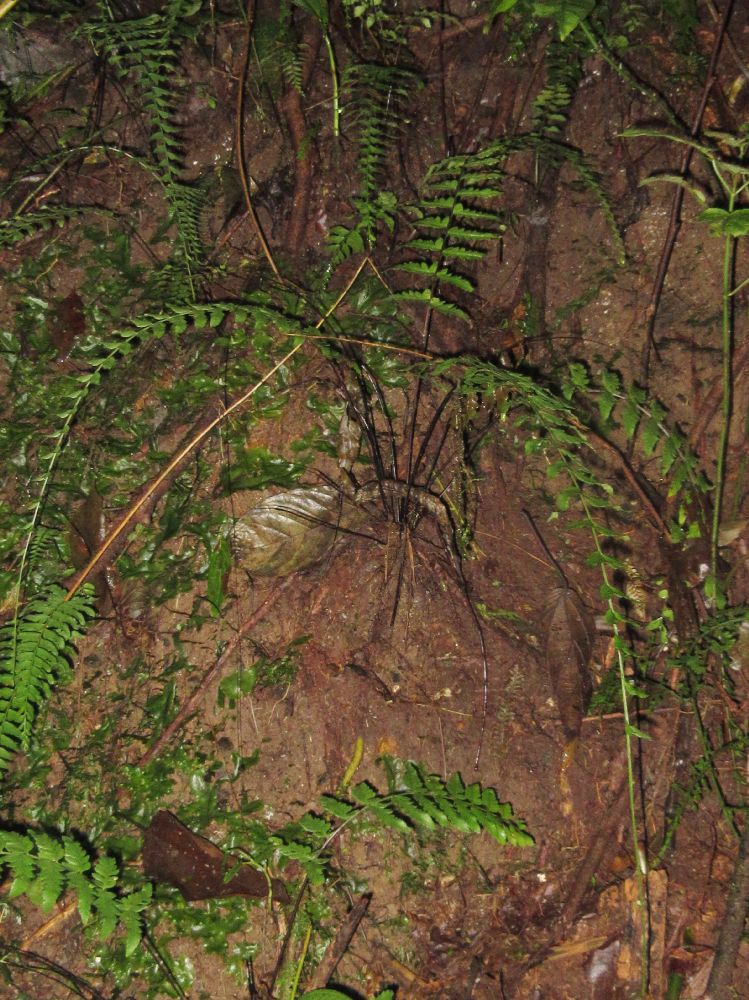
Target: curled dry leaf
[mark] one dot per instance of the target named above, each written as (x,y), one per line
(293,531)
(570,634)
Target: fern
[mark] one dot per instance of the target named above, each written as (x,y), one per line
(643,420)
(563,73)
(35,648)
(146,47)
(416,802)
(43,867)
(23,227)
(453,225)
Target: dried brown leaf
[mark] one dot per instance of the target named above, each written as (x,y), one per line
(174,855)
(570,633)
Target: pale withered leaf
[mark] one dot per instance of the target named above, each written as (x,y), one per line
(291,531)
(570,633)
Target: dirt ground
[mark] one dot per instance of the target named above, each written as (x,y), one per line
(398,635)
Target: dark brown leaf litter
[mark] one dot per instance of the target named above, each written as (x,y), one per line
(174,855)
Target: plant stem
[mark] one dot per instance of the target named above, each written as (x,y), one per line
(726,347)
(334,78)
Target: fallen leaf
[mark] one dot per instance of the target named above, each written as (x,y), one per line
(291,531)
(569,646)
(174,855)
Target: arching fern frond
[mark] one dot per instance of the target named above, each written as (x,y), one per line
(35,649)
(23,227)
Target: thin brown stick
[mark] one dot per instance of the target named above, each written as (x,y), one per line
(213,671)
(239,140)
(730,44)
(714,396)
(732,930)
(152,490)
(601,843)
(674,224)
(337,950)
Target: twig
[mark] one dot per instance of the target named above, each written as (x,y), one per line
(324,972)
(732,930)
(714,396)
(159,485)
(596,852)
(213,671)
(730,44)
(674,224)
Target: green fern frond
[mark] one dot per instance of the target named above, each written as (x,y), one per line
(422,802)
(35,649)
(23,227)
(146,48)
(374,98)
(43,867)
(644,421)
(453,224)
(563,74)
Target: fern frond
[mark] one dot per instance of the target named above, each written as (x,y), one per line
(35,648)
(421,802)
(23,227)
(563,74)
(375,98)
(43,866)
(453,224)
(146,48)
